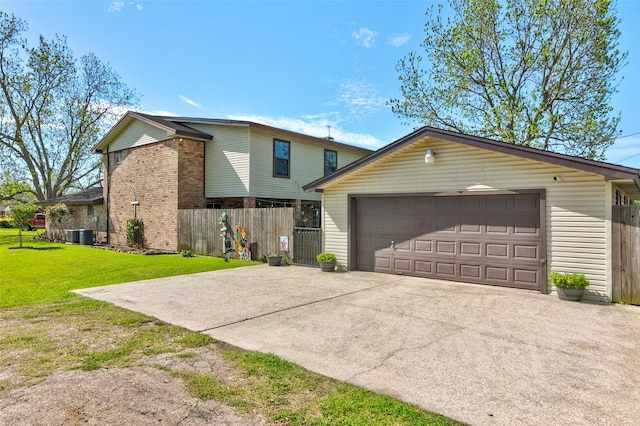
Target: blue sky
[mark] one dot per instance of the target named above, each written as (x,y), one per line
(301,65)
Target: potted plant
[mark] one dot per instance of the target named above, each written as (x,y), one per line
(274,259)
(327,261)
(569,286)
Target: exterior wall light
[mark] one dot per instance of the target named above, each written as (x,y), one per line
(430,157)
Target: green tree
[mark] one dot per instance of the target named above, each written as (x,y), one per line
(53,109)
(538,73)
(11,188)
(21,213)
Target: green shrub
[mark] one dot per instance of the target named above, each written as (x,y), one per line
(568,280)
(6,222)
(326,257)
(186,253)
(134,230)
(57,213)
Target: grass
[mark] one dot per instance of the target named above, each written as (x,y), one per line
(288,394)
(48,271)
(44,328)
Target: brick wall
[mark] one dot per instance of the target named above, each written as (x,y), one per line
(79,219)
(162,177)
(191,175)
(149,175)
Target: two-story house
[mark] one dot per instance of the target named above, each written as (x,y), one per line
(155,165)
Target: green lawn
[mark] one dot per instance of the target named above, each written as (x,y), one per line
(47,271)
(45,328)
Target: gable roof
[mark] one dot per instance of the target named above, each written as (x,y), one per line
(179,127)
(630,177)
(173,129)
(88,196)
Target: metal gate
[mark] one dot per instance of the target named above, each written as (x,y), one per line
(307,243)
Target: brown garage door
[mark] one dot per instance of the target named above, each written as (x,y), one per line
(486,239)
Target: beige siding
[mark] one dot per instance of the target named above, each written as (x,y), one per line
(136,134)
(226,161)
(307,165)
(576,205)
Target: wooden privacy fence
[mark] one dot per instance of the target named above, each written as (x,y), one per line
(199,230)
(626,254)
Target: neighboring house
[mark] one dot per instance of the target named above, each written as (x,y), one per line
(4,210)
(156,165)
(86,212)
(444,205)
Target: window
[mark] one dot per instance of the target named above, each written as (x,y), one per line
(330,161)
(281,158)
(118,157)
(90,210)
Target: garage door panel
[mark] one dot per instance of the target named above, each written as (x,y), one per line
(497,203)
(472,272)
(383,262)
(526,277)
(446,247)
(526,225)
(402,265)
(473,226)
(470,248)
(423,246)
(425,226)
(472,203)
(497,229)
(424,267)
(528,252)
(402,225)
(527,203)
(446,269)
(402,245)
(497,250)
(445,225)
(497,273)
(445,204)
(487,239)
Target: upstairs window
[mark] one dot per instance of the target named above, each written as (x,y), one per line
(281,158)
(118,157)
(330,161)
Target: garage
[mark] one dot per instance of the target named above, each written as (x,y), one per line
(444,205)
(484,239)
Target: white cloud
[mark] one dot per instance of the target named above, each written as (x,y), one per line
(162,112)
(190,102)
(365,37)
(398,40)
(314,125)
(361,99)
(116,6)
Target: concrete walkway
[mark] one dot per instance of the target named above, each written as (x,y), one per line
(483,355)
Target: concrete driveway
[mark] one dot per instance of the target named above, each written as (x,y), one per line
(478,354)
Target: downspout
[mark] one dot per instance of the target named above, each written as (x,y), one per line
(107,180)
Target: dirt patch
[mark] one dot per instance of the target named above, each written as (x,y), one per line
(141,395)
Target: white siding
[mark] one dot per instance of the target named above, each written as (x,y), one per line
(226,161)
(306,165)
(576,205)
(136,134)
